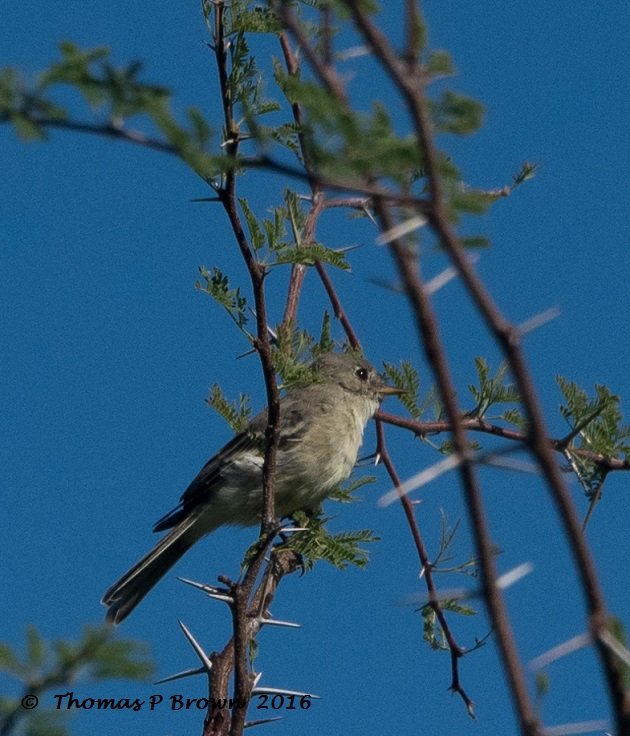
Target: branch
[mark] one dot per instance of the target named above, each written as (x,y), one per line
(455,650)
(227,195)
(473,424)
(107,130)
(507,336)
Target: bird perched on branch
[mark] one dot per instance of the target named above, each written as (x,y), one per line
(320,431)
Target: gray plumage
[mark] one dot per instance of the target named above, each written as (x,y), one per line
(321,429)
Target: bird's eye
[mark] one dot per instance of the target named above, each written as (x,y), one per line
(361,373)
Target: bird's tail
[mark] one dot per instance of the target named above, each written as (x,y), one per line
(125,594)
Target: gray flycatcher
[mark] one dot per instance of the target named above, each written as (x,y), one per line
(321,429)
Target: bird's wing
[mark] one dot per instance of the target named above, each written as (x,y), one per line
(250,441)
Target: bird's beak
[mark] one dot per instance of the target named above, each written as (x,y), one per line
(387,390)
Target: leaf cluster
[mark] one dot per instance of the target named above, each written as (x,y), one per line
(340,550)
(316,543)
(270,239)
(236,413)
(492,390)
(46,665)
(113,94)
(596,426)
(217,285)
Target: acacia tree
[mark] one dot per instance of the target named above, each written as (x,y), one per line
(334,153)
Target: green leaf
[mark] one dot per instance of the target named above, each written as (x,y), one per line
(618,631)
(542,684)
(35,648)
(218,287)
(475,241)
(514,416)
(598,419)
(308,255)
(236,413)
(256,235)
(406,378)
(46,723)
(289,357)
(455,113)
(440,64)
(339,550)
(492,390)
(596,426)
(464,199)
(315,543)
(122,659)
(26,129)
(254,20)
(347,492)
(9,662)
(201,132)
(326,342)
(527,172)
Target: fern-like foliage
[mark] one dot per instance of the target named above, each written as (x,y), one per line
(53,665)
(595,424)
(236,413)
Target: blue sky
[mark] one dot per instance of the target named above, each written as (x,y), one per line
(108,353)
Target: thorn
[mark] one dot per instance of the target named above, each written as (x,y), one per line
(533,323)
(206,663)
(292,529)
(221,597)
(404,228)
(282,691)
(615,646)
(272,333)
(448,274)
(426,476)
(560,650)
(581,727)
(514,575)
(421,599)
(354,52)
(503,581)
(370,216)
(278,622)
(395,287)
(261,721)
(219,594)
(180,675)
(365,460)
(420,479)
(509,463)
(377,458)
(245,354)
(348,248)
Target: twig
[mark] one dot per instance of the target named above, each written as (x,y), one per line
(456,652)
(473,424)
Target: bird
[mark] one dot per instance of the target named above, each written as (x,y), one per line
(321,428)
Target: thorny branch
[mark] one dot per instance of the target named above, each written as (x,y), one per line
(411,87)
(329,78)
(407,75)
(240,593)
(473,424)
(455,650)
